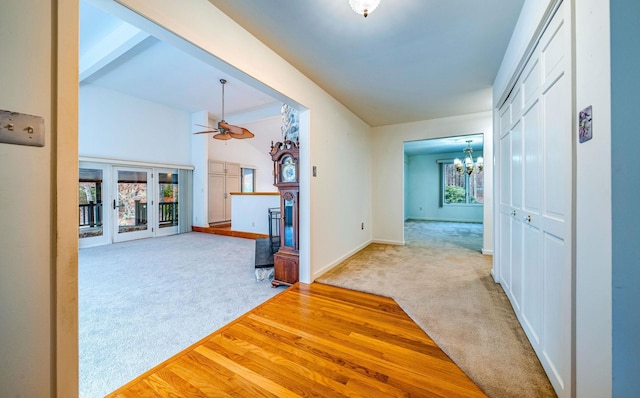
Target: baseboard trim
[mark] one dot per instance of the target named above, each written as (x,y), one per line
(487,252)
(443,220)
(335,263)
(388,242)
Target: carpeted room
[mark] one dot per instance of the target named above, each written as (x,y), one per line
(141,302)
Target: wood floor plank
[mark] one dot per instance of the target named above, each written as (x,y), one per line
(311,341)
(328,323)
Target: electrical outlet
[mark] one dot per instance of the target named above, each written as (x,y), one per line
(21,129)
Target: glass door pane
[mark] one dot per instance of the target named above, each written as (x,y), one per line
(133,218)
(90,203)
(167,202)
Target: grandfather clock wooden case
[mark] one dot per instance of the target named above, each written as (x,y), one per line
(286,177)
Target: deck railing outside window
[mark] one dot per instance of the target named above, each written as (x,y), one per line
(90,214)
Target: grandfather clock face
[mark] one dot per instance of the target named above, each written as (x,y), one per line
(287,170)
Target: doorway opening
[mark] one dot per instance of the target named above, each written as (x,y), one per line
(436,189)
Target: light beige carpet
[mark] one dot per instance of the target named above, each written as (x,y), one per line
(444,283)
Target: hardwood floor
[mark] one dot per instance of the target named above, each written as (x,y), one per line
(311,341)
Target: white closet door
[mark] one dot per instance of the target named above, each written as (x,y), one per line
(535,176)
(504,200)
(532,299)
(555,219)
(232,184)
(217,198)
(516,221)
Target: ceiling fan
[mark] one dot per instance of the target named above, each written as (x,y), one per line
(226,131)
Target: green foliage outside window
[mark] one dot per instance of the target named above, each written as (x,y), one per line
(454,194)
(462,188)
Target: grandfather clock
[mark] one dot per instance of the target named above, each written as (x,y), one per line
(286,178)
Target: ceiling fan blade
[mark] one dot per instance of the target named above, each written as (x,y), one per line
(222,136)
(236,131)
(245,134)
(207,132)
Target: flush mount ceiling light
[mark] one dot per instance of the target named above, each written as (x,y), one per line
(364,7)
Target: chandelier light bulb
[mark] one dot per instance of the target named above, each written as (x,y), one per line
(468,166)
(364,7)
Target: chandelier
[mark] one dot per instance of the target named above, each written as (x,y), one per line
(364,7)
(469,166)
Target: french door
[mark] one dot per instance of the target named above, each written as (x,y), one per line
(132,204)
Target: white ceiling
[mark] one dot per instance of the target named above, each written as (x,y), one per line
(158,72)
(409,60)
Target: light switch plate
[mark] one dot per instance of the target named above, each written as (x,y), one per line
(21,129)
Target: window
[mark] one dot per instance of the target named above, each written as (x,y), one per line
(90,203)
(461,188)
(248,181)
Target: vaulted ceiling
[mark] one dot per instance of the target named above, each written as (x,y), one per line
(409,60)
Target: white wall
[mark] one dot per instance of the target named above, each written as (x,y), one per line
(593,183)
(27,222)
(117,126)
(253,152)
(424,191)
(388,170)
(340,197)
(25,210)
(250,213)
(200,161)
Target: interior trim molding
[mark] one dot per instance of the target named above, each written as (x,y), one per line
(120,162)
(388,242)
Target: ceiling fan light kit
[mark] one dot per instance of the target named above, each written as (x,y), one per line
(226,131)
(364,7)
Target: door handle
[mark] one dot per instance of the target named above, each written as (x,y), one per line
(114,205)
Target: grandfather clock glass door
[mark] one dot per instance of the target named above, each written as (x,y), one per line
(289,221)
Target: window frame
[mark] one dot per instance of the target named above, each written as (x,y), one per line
(242,177)
(443,185)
